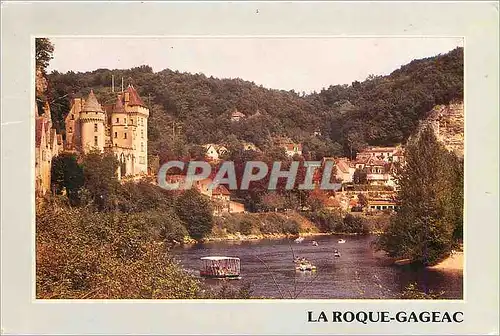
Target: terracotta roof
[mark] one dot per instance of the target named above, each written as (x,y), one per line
(291,146)
(342,165)
(134,98)
(91,104)
(375,162)
(221,190)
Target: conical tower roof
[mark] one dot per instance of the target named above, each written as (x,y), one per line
(91,104)
(134,98)
(118,107)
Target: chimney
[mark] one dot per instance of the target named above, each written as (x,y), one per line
(127,97)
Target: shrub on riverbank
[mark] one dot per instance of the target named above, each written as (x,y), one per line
(270,223)
(334,222)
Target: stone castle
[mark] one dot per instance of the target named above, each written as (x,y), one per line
(120,127)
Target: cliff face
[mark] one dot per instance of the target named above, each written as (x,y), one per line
(448,124)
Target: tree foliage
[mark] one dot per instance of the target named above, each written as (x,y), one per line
(195,211)
(101,180)
(67,175)
(431,203)
(44,50)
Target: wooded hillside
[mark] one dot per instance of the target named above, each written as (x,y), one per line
(192,109)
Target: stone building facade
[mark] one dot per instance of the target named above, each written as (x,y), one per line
(120,127)
(48,144)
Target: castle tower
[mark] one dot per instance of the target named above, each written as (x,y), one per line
(92,119)
(138,124)
(122,133)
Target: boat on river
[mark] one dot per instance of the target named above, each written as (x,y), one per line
(341,241)
(336,253)
(314,243)
(217,267)
(299,240)
(305,267)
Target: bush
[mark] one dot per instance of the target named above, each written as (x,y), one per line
(326,221)
(246,227)
(355,224)
(196,212)
(291,226)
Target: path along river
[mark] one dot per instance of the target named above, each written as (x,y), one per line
(359,273)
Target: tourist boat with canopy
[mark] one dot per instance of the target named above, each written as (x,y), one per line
(218,267)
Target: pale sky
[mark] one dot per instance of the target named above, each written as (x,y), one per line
(302,64)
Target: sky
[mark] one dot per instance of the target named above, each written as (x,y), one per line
(300,64)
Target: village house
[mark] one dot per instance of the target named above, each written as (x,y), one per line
(382,153)
(214,151)
(120,127)
(292,149)
(344,171)
(382,204)
(237,115)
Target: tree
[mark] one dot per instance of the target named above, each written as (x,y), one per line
(362,200)
(43,53)
(430,212)
(359,176)
(195,211)
(67,174)
(273,201)
(101,179)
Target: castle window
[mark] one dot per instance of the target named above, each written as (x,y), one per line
(95,127)
(142,134)
(117,120)
(124,135)
(142,147)
(116,134)
(72,117)
(70,130)
(96,141)
(131,121)
(125,120)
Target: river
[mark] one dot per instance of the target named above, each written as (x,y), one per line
(358,274)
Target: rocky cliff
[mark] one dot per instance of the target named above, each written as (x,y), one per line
(448,124)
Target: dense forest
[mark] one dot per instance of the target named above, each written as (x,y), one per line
(193,109)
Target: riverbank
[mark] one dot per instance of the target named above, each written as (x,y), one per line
(236,237)
(454,262)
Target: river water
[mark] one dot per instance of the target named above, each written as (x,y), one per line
(359,273)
